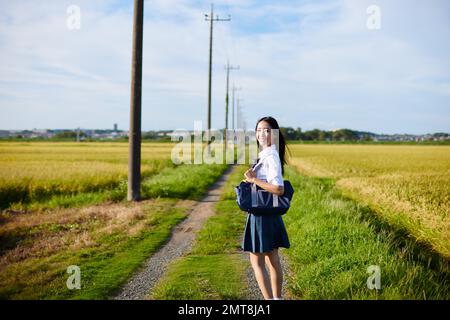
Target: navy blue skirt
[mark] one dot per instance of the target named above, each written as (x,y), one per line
(264,233)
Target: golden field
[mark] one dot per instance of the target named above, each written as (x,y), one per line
(409,186)
(32,171)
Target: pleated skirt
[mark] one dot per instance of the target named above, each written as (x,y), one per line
(264,233)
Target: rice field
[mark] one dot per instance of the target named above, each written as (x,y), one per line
(57,212)
(333,242)
(36,171)
(42,230)
(408,186)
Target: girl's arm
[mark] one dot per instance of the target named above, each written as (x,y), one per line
(250,176)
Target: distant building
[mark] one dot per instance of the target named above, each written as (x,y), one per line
(115,126)
(4,133)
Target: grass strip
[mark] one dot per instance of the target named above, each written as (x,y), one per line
(334,240)
(214,268)
(104,265)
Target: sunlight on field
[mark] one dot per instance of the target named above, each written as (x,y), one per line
(408,185)
(116,152)
(36,170)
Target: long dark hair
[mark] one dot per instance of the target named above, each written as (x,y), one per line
(282,142)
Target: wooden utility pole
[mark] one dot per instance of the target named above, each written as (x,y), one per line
(134,159)
(228,68)
(211,19)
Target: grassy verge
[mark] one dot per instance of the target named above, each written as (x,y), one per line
(335,239)
(214,268)
(185,182)
(408,186)
(107,244)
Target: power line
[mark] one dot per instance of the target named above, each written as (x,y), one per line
(211,19)
(234,54)
(232,40)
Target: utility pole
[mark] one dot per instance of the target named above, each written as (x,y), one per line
(134,159)
(233,90)
(228,68)
(211,19)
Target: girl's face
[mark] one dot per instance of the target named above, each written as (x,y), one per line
(263,134)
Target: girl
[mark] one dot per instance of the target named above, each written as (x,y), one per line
(264,234)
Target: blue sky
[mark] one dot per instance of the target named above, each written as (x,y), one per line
(310,64)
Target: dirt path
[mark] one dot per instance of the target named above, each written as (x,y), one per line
(180,242)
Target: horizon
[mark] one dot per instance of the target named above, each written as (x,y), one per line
(212,129)
(328,64)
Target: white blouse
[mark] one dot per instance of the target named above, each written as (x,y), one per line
(269,166)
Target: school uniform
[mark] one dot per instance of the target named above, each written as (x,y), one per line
(263,233)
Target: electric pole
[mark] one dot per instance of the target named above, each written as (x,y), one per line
(228,68)
(134,159)
(211,19)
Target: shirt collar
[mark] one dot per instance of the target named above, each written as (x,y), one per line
(267,151)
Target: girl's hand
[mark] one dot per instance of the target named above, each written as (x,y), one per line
(250,176)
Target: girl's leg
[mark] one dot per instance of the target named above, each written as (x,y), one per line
(261,275)
(276,272)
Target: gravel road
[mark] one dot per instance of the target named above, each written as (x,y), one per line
(179,244)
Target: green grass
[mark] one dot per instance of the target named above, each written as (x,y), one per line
(67,201)
(184,182)
(109,262)
(408,185)
(202,277)
(104,266)
(213,269)
(110,254)
(334,240)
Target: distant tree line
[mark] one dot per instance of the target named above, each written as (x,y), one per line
(69,135)
(291,134)
(156,135)
(323,135)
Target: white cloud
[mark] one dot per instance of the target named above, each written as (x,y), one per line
(305,62)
